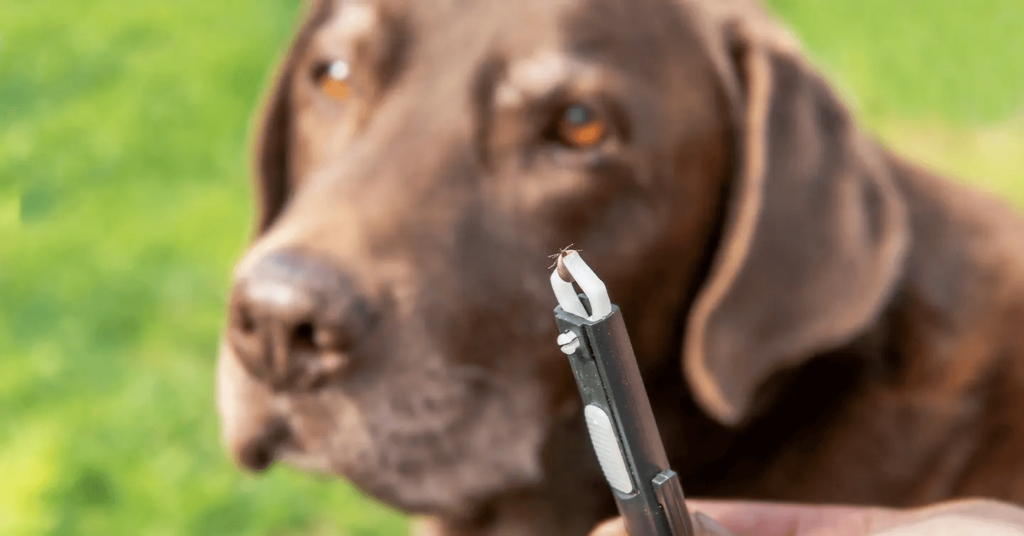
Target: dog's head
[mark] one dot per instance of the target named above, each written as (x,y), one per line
(419,160)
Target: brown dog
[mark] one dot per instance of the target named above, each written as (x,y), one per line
(816,320)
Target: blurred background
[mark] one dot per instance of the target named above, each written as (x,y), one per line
(125,200)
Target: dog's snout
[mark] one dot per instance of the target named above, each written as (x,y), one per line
(295,319)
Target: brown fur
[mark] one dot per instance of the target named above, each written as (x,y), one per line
(849,324)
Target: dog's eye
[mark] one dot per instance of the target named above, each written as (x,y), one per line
(580,127)
(334,79)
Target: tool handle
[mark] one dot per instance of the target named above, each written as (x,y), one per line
(621,424)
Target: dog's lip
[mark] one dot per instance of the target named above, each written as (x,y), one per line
(463,508)
(467,505)
(296,458)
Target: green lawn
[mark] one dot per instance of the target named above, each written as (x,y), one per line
(124,200)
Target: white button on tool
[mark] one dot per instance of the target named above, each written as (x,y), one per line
(568,342)
(609,452)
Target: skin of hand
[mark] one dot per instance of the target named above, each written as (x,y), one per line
(737,518)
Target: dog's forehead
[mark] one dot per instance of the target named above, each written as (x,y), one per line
(520,28)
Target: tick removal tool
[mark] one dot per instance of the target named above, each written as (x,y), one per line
(618,413)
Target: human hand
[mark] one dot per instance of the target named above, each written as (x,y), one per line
(739,518)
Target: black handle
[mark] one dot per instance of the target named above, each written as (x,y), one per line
(621,424)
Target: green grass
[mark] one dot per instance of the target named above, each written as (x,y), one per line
(124,200)
(938,80)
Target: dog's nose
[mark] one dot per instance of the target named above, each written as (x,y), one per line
(258,452)
(294,319)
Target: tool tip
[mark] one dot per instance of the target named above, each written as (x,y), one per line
(563,272)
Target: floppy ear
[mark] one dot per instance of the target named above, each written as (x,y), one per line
(814,239)
(274,128)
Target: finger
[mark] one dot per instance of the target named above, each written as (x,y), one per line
(703,525)
(612,527)
(743,518)
(975,516)
(781,519)
(735,518)
(966,516)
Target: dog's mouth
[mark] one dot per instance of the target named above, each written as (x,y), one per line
(453,472)
(446,490)
(437,441)
(310,464)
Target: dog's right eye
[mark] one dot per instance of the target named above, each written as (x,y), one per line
(333,79)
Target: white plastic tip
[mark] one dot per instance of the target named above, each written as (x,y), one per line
(592,286)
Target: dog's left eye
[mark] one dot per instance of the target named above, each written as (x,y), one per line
(581,127)
(333,79)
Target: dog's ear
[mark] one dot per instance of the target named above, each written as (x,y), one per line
(274,126)
(815,231)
